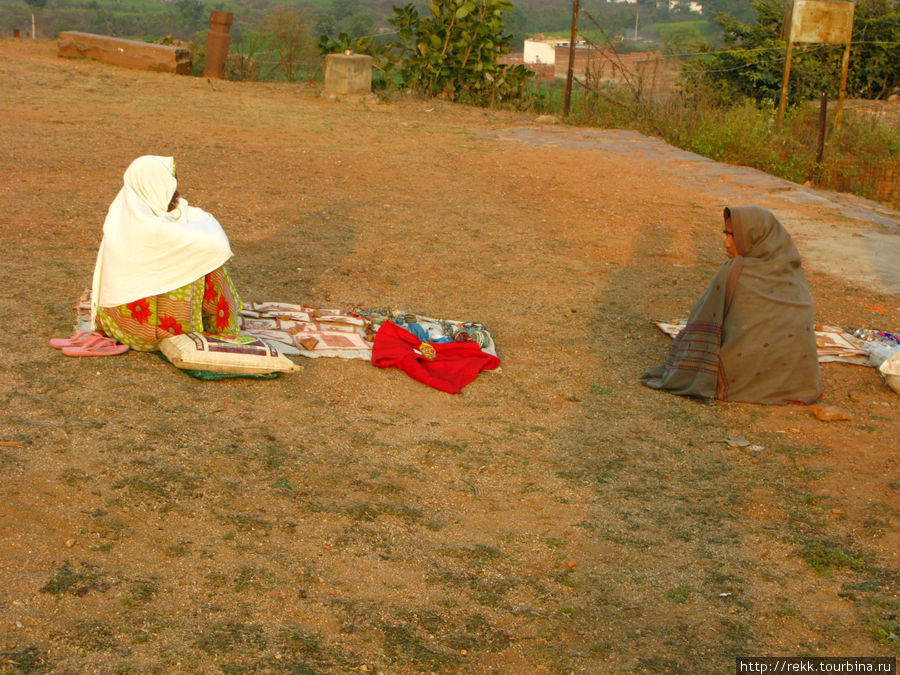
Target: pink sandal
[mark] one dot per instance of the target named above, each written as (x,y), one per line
(98,346)
(76,340)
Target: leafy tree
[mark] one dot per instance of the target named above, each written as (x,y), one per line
(191,15)
(325,26)
(516,22)
(682,39)
(289,37)
(242,62)
(382,55)
(190,10)
(875,51)
(341,9)
(343,16)
(360,24)
(751,63)
(739,9)
(453,50)
(40,4)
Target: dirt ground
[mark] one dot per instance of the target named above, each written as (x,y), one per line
(556,517)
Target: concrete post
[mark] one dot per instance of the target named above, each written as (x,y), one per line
(348,77)
(217,41)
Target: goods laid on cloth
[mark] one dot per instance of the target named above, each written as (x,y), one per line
(307,331)
(750,336)
(448,366)
(881,345)
(231,354)
(890,371)
(313,332)
(832,343)
(862,347)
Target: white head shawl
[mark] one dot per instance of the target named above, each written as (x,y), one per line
(147,250)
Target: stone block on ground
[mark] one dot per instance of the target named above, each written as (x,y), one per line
(126,53)
(348,77)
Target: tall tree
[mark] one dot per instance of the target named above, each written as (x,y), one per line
(752,60)
(741,10)
(290,38)
(453,50)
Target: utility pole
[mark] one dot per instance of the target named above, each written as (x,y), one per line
(568,99)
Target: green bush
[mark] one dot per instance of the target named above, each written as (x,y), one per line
(453,51)
(752,61)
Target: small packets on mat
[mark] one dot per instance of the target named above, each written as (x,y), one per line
(237,354)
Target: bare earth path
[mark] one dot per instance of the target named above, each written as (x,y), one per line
(841,234)
(556,517)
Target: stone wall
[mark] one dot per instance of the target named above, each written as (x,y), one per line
(126,53)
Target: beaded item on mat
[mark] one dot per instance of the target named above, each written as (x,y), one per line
(876,335)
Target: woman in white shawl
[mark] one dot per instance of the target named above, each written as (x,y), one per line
(160,267)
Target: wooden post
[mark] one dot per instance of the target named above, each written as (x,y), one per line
(845,67)
(815,172)
(569,73)
(784,83)
(823,115)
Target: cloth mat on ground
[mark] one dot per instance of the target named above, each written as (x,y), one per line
(307,331)
(832,343)
(313,332)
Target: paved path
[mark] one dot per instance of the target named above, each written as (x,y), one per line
(837,233)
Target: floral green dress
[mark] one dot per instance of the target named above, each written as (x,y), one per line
(208,305)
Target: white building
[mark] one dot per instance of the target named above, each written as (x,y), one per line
(539,50)
(691,5)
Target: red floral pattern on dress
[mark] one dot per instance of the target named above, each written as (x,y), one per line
(210,294)
(223,314)
(171,325)
(140,310)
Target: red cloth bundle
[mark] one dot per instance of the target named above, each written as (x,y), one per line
(455,365)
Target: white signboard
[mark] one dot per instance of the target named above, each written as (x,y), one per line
(821,21)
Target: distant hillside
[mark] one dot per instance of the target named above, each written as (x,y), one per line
(185,19)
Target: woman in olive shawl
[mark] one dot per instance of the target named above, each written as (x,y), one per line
(751,335)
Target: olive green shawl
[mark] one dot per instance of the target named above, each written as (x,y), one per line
(751,335)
